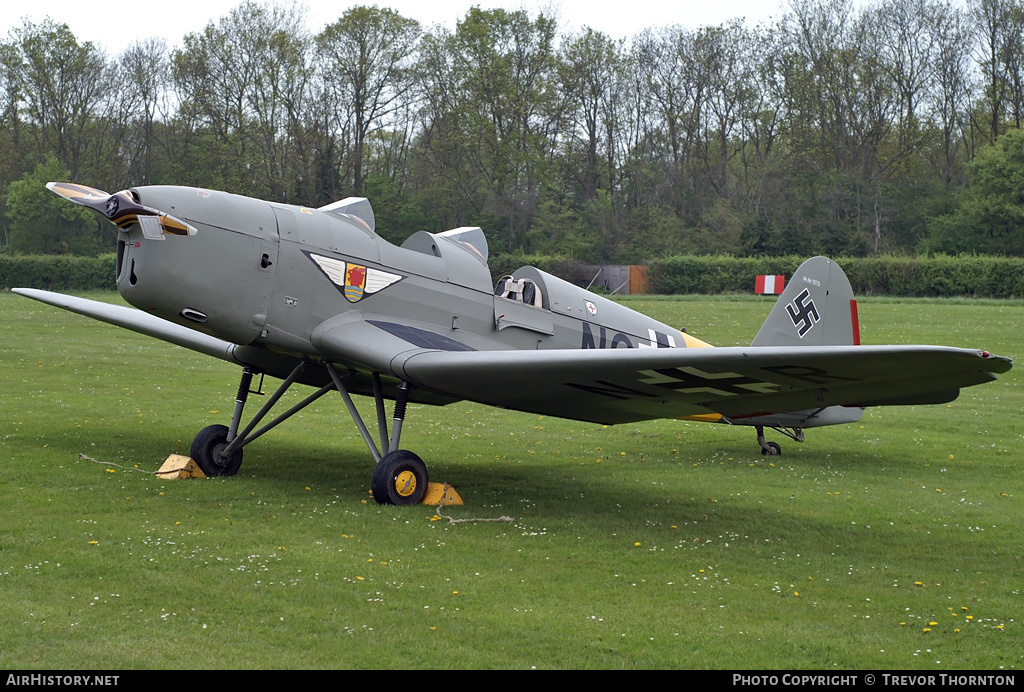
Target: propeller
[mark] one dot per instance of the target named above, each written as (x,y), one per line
(121,208)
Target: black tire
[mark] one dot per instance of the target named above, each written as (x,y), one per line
(400,478)
(774,450)
(207,448)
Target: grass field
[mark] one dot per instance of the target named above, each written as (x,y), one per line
(890,544)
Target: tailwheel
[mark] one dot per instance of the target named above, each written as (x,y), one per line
(400,478)
(771,449)
(208,448)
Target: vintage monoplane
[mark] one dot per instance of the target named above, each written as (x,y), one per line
(316,297)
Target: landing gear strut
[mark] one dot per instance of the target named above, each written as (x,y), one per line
(767,448)
(400,477)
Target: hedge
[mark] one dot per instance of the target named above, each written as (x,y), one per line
(58,272)
(937,276)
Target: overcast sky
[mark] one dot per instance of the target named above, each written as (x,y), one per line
(115,26)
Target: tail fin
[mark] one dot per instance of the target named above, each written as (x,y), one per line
(816,309)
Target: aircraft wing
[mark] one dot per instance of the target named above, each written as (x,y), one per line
(136,321)
(625,385)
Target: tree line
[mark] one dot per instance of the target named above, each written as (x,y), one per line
(895,128)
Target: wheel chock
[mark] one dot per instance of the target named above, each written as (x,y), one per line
(441,492)
(178,466)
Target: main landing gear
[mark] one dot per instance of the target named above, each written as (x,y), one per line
(773,449)
(400,477)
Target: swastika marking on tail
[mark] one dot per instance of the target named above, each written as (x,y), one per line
(803,313)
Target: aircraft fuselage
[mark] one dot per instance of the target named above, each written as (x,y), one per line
(267,275)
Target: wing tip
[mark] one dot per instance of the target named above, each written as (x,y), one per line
(1002,363)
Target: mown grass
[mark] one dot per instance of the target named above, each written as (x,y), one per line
(658,545)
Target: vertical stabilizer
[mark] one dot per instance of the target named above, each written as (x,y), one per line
(816,309)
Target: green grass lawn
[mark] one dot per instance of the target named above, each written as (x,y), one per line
(889,544)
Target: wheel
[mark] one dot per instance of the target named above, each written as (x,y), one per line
(207,448)
(400,478)
(772,449)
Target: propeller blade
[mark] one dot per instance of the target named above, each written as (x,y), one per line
(121,208)
(80,194)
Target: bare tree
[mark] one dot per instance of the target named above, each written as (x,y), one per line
(365,61)
(61,89)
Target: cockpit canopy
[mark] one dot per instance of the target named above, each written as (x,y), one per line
(355,209)
(358,210)
(471,237)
